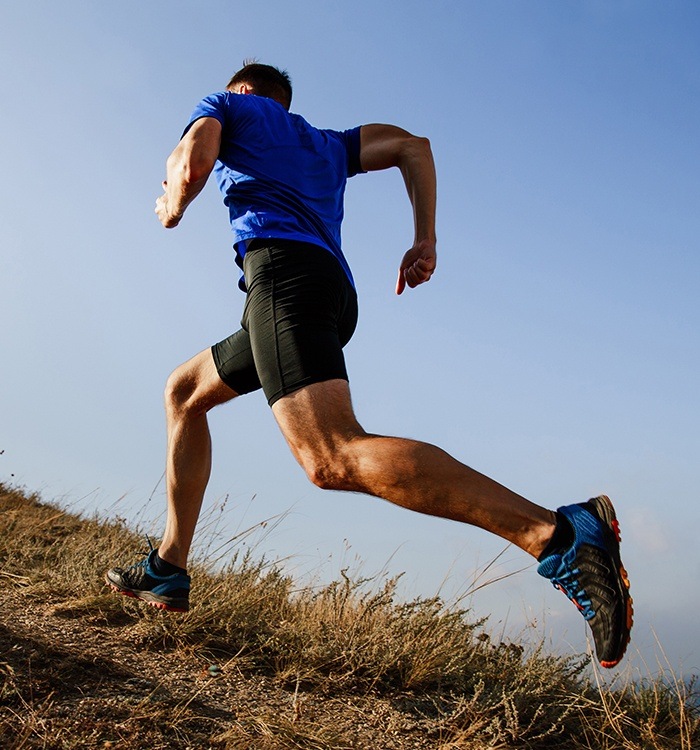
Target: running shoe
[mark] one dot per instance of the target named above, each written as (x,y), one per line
(140,581)
(591,574)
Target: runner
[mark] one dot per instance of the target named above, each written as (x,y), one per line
(283,182)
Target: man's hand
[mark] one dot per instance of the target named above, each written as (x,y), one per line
(417,266)
(163,212)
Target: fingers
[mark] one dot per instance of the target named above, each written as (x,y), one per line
(400,282)
(163,213)
(418,273)
(160,206)
(412,276)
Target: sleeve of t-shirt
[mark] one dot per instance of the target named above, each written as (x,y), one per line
(213,105)
(352,148)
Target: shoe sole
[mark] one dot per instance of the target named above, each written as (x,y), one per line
(145,596)
(606,512)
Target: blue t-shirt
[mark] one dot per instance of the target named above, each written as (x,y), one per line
(280,177)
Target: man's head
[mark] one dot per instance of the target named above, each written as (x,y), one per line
(264,80)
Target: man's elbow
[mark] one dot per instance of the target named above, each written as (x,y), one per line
(198,173)
(413,148)
(421,144)
(189,171)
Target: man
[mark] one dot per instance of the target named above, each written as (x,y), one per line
(283,183)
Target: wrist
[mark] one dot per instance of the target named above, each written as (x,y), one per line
(171,219)
(173,211)
(429,239)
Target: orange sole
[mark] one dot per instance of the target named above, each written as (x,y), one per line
(157,605)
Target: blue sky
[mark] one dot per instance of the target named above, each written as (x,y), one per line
(555,349)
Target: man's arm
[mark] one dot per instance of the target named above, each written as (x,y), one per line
(187,169)
(384,146)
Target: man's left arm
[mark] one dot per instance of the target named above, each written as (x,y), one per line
(187,169)
(385,146)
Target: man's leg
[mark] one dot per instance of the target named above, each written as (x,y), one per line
(325,437)
(161,579)
(192,390)
(578,547)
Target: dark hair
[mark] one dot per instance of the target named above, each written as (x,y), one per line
(265,80)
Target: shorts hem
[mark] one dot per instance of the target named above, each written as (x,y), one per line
(287,390)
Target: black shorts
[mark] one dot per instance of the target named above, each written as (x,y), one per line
(300,311)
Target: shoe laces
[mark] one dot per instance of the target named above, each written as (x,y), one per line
(569,584)
(142,563)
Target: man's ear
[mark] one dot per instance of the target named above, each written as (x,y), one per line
(242,88)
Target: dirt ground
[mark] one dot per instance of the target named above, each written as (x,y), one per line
(74,678)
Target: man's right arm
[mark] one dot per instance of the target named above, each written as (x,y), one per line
(385,146)
(188,168)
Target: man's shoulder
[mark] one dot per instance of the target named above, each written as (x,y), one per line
(326,133)
(218,97)
(228,100)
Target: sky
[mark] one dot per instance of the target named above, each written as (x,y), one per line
(555,349)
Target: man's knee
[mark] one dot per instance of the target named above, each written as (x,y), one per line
(328,477)
(195,387)
(321,429)
(332,471)
(179,390)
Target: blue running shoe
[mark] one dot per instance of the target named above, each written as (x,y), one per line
(140,581)
(591,574)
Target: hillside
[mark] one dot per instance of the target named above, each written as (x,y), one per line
(258,663)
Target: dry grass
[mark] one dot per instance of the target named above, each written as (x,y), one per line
(347,665)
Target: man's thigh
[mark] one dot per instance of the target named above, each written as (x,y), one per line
(317,421)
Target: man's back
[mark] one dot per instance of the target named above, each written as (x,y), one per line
(280,176)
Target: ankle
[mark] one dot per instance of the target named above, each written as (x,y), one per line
(561,539)
(541,534)
(165,567)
